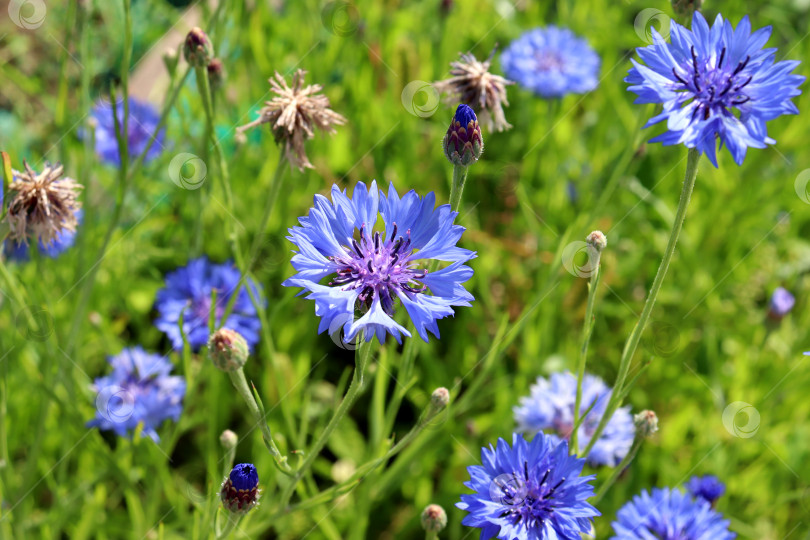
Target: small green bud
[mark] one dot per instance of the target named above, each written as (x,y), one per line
(228,350)
(434,518)
(197,48)
(216,73)
(597,240)
(439,399)
(646,423)
(228,439)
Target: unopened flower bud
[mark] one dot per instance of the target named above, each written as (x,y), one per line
(463,143)
(197,48)
(434,518)
(439,399)
(240,490)
(216,73)
(686,8)
(646,423)
(170,58)
(227,349)
(228,439)
(597,240)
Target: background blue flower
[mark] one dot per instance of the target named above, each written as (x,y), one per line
(708,488)
(138,391)
(372,273)
(552,62)
(669,514)
(531,490)
(188,291)
(550,408)
(64,240)
(715,83)
(143,121)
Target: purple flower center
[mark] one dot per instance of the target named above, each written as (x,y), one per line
(548,61)
(716,87)
(201,308)
(525,499)
(379,268)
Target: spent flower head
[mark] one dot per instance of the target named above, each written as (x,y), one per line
(529,490)
(372,270)
(463,143)
(42,206)
(472,84)
(716,84)
(240,490)
(293,115)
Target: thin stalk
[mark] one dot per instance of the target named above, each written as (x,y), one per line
(587,330)
(635,336)
(618,470)
(362,354)
(230,525)
(457,189)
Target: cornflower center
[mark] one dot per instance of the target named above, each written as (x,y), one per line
(525,499)
(548,61)
(716,87)
(379,267)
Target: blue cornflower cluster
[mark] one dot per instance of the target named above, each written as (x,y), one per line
(550,408)
(370,270)
(670,514)
(193,291)
(529,490)
(552,62)
(715,83)
(142,126)
(139,392)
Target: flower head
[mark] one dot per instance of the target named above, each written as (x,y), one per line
(141,129)
(550,408)
(62,242)
(646,423)
(189,291)
(228,349)
(529,490)
(293,114)
(139,391)
(197,48)
(552,62)
(781,303)
(709,488)
(463,144)
(370,270)
(44,206)
(669,514)
(240,490)
(473,84)
(715,83)
(434,518)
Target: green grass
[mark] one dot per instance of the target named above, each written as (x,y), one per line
(710,345)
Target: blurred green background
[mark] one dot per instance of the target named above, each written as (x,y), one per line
(709,345)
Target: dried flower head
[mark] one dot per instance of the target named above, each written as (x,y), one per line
(293,113)
(473,84)
(44,205)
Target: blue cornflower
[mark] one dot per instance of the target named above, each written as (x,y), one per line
(188,291)
(240,490)
(63,241)
(715,82)
(552,62)
(781,303)
(669,514)
(143,121)
(138,391)
(370,269)
(708,488)
(531,490)
(550,407)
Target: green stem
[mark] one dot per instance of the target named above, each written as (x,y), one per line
(635,336)
(362,354)
(457,189)
(587,330)
(230,525)
(618,470)
(241,385)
